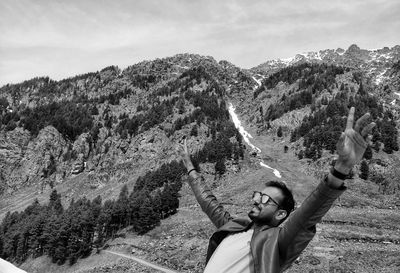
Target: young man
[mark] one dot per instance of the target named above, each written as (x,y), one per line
(258,245)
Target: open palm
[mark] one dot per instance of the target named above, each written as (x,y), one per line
(353,142)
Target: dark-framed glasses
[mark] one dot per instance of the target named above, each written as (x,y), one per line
(263,198)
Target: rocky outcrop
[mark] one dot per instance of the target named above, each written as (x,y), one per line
(26,161)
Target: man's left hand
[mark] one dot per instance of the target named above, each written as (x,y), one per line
(353,142)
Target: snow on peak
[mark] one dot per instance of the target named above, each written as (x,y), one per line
(286,61)
(257,81)
(379,78)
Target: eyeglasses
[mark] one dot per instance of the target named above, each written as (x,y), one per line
(263,198)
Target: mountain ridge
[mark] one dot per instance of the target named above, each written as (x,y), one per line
(94,133)
(371,61)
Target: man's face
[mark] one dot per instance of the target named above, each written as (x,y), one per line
(264,213)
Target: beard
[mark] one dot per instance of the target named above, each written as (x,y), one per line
(254,215)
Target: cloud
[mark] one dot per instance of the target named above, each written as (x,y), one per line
(245,32)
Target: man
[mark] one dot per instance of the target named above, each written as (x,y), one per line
(259,245)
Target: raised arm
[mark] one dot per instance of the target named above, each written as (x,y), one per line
(204,196)
(300,225)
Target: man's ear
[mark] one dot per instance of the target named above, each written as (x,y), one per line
(280,214)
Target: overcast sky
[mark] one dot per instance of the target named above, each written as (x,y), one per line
(60,39)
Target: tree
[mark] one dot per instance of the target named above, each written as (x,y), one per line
(121,207)
(148,218)
(368,153)
(361,90)
(93,110)
(194,131)
(279,133)
(169,201)
(389,135)
(301,154)
(220,168)
(55,205)
(364,170)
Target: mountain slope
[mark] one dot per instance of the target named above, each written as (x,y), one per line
(93,133)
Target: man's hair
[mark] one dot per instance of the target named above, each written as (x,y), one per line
(288,200)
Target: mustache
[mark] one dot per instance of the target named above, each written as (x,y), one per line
(258,205)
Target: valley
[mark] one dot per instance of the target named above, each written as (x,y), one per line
(88,164)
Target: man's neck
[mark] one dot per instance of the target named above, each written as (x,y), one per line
(257,226)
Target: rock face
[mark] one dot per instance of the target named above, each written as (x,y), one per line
(25,161)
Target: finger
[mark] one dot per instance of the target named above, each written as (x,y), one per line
(185,146)
(350,119)
(361,122)
(368,129)
(340,142)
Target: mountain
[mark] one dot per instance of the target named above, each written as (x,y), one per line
(374,63)
(89,158)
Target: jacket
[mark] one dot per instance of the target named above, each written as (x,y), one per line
(273,249)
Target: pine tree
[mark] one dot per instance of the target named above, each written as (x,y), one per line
(148,218)
(279,132)
(55,205)
(136,198)
(220,168)
(389,135)
(368,153)
(121,207)
(194,131)
(169,201)
(364,170)
(293,136)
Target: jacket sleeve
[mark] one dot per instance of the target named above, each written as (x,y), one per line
(299,228)
(208,202)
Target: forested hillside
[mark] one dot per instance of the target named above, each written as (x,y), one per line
(194,101)
(328,92)
(94,155)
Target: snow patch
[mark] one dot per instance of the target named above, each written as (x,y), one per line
(286,61)
(275,171)
(246,137)
(257,81)
(380,77)
(239,126)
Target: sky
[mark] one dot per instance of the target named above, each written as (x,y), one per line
(62,39)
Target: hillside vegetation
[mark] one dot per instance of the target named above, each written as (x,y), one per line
(88,162)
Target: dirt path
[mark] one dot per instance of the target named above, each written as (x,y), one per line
(143,262)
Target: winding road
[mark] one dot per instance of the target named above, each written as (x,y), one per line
(143,262)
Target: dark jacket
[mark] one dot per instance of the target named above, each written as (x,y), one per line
(273,248)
